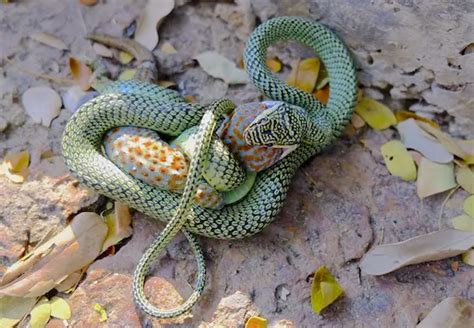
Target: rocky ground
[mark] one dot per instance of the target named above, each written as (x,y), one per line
(340,204)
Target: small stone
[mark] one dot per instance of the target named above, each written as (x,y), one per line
(3,124)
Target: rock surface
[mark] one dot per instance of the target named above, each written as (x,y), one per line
(410,54)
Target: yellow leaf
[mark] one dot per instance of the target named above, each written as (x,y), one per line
(376,114)
(305,74)
(168,48)
(454,146)
(256,322)
(40,313)
(60,308)
(398,160)
(80,72)
(465,178)
(274,64)
(403,115)
(118,223)
(127,74)
(190,99)
(468,257)
(325,289)
(468,206)
(15,166)
(125,57)
(99,309)
(13,309)
(434,178)
(322,94)
(463,222)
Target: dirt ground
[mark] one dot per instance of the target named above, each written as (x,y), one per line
(341,202)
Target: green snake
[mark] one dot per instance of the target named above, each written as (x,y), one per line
(141,104)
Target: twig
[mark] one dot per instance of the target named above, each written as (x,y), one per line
(40,75)
(450,194)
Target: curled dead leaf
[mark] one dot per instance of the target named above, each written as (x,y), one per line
(465,178)
(13,309)
(274,64)
(434,246)
(304,74)
(40,314)
(15,166)
(403,115)
(377,115)
(398,161)
(118,223)
(256,322)
(81,73)
(168,48)
(324,290)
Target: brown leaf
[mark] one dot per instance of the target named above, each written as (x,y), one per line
(81,73)
(451,312)
(430,247)
(47,266)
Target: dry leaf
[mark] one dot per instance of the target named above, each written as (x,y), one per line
(256,322)
(147,28)
(101,310)
(452,312)
(15,166)
(81,73)
(323,78)
(47,266)
(463,222)
(377,115)
(88,2)
(118,224)
(166,84)
(434,246)
(124,57)
(60,308)
(40,314)
(454,146)
(274,64)
(323,95)
(324,290)
(305,74)
(220,67)
(404,115)
(465,178)
(357,121)
(49,40)
(70,282)
(414,137)
(398,161)
(42,104)
(417,157)
(13,309)
(468,257)
(468,206)
(434,178)
(168,48)
(102,50)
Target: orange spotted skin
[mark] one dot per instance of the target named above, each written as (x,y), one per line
(142,153)
(254,158)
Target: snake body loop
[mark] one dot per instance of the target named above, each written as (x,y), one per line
(144,105)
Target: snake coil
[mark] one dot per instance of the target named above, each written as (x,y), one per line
(140,104)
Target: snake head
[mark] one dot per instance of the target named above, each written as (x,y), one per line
(280,125)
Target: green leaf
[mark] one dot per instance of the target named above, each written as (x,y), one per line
(468,206)
(325,289)
(465,178)
(40,314)
(398,160)
(60,308)
(13,309)
(463,222)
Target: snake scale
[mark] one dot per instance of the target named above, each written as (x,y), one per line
(140,104)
